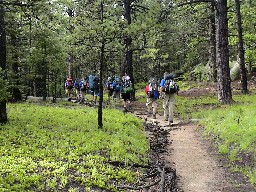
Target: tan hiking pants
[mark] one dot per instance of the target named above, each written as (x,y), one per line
(168,105)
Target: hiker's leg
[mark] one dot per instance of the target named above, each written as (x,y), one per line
(69,93)
(166,107)
(94,96)
(77,94)
(83,95)
(123,100)
(171,107)
(149,105)
(110,95)
(118,95)
(154,106)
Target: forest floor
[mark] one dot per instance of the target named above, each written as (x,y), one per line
(191,161)
(199,167)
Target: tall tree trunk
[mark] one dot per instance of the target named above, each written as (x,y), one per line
(212,76)
(128,66)
(3,112)
(15,91)
(44,75)
(100,114)
(240,48)
(71,56)
(222,53)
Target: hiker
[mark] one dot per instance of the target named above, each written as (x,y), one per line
(94,87)
(77,89)
(168,88)
(126,90)
(110,87)
(69,87)
(152,91)
(117,87)
(83,88)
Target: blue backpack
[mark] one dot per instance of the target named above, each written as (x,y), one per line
(154,92)
(94,82)
(117,83)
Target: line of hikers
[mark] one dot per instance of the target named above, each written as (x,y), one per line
(116,87)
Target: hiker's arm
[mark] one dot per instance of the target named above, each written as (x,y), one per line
(161,88)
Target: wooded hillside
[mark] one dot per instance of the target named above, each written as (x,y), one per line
(44,41)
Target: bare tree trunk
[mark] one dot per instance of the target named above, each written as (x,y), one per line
(3,112)
(100,114)
(15,90)
(240,48)
(212,44)
(44,75)
(70,13)
(222,53)
(128,66)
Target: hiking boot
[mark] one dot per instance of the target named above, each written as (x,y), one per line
(154,116)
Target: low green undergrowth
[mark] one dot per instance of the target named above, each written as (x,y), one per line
(54,148)
(233,128)
(185,107)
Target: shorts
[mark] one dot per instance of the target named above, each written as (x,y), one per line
(110,92)
(126,96)
(95,93)
(68,91)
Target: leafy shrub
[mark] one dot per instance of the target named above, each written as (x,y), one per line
(55,148)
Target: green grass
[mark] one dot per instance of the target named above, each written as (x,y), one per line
(233,128)
(54,148)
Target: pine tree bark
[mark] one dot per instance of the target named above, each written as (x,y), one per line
(128,66)
(240,48)
(3,111)
(15,91)
(222,53)
(212,76)
(102,51)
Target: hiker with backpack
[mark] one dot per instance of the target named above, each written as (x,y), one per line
(77,89)
(126,90)
(83,88)
(94,84)
(69,87)
(168,89)
(110,87)
(116,87)
(152,91)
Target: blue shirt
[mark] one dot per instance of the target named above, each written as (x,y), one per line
(162,82)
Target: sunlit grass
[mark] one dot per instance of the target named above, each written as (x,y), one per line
(51,148)
(233,128)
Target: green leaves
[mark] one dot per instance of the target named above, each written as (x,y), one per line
(55,148)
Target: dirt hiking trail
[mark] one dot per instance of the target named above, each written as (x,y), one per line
(199,168)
